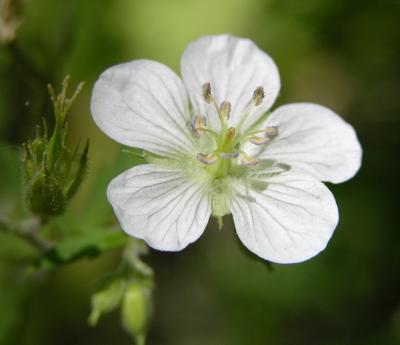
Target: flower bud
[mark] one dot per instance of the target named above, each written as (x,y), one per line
(44,196)
(53,173)
(106,299)
(136,310)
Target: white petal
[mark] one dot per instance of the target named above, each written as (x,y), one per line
(290,221)
(143,104)
(160,205)
(234,67)
(314,139)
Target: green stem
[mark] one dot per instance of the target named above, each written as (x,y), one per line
(30,236)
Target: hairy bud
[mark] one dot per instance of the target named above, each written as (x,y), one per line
(52,172)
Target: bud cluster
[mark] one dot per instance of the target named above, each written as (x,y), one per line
(129,289)
(52,172)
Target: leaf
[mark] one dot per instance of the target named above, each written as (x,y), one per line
(86,245)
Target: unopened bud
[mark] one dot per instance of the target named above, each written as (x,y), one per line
(137,310)
(258,95)
(106,299)
(52,173)
(207,92)
(44,195)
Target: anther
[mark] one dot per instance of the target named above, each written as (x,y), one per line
(198,124)
(271,132)
(230,134)
(246,160)
(207,92)
(258,95)
(225,110)
(207,159)
(259,140)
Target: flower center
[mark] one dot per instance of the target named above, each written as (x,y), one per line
(227,152)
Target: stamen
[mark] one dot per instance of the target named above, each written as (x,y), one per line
(207,92)
(198,125)
(259,140)
(225,110)
(207,159)
(230,134)
(230,155)
(246,160)
(271,132)
(258,95)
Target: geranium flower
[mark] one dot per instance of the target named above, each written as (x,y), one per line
(213,149)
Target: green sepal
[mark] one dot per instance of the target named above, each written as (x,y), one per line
(220,204)
(81,160)
(221,195)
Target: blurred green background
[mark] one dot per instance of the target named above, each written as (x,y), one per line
(339,53)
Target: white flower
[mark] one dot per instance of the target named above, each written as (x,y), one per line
(212,149)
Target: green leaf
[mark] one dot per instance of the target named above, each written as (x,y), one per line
(86,245)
